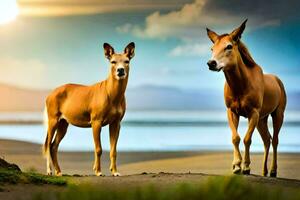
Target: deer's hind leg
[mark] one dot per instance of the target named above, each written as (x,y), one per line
(262,128)
(60,133)
(52,126)
(277,117)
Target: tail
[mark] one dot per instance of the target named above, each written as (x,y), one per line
(45,122)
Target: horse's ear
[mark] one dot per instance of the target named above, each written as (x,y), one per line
(237,33)
(212,35)
(129,50)
(108,50)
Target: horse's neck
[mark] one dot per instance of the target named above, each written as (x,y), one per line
(238,78)
(116,88)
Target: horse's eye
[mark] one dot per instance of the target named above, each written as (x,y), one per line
(113,62)
(228,47)
(126,61)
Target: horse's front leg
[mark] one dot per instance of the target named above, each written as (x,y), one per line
(96,126)
(252,123)
(114,130)
(233,120)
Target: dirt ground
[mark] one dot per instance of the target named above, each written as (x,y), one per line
(28,191)
(138,168)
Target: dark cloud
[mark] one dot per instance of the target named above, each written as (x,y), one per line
(90,7)
(264,9)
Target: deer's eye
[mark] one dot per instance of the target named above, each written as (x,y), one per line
(113,62)
(126,61)
(228,47)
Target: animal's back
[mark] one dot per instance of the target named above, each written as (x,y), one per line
(68,95)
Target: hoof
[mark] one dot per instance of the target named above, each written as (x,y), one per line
(236,169)
(265,173)
(99,174)
(273,174)
(246,170)
(49,173)
(116,174)
(58,174)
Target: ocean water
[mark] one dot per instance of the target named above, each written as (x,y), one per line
(158,131)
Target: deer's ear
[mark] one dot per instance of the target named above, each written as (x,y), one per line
(129,50)
(212,35)
(108,50)
(237,33)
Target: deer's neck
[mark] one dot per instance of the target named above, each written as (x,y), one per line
(237,77)
(116,88)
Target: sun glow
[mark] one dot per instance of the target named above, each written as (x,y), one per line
(8,11)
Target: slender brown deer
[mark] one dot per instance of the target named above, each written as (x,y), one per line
(249,93)
(92,106)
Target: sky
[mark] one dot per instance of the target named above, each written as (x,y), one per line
(53,42)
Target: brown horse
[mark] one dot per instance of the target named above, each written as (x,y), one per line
(93,106)
(248,93)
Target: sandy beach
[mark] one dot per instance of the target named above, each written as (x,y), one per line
(28,156)
(140,168)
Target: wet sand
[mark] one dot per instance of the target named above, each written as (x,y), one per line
(28,156)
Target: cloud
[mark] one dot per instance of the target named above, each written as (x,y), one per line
(193,49)
(126,28)
(173,24)
(54,8)
(189,22)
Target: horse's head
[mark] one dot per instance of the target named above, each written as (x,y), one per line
(119,63)
(225,49)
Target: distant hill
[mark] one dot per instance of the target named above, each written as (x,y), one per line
(169,98)
(147,97)
(18,99)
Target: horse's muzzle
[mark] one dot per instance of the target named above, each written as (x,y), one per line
(212,65)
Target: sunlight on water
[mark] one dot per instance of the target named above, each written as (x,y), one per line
(175,131)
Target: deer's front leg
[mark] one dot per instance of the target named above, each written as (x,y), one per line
(114,130)
(252,123)
(233,120)
(96,126)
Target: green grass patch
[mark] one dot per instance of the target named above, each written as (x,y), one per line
(31,170)
(216,188)
(14,177)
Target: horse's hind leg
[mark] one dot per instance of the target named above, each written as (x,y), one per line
(52,126)
(60,133)
(277,117)
(262,128)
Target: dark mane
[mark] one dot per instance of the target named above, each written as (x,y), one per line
(246,57)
